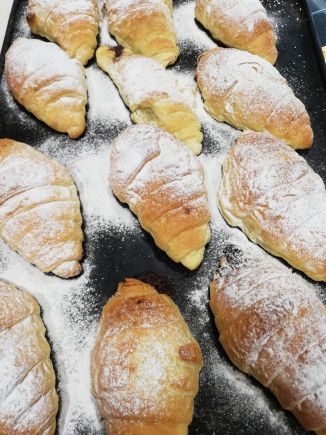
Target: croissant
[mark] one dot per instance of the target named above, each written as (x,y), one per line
(273,327)
(163,184)
(28,400)
(145,364)
(145,27)
(39,210)
(249,93)
(272,194)
(48,83)
(152,94)
(73,24)
(241,24)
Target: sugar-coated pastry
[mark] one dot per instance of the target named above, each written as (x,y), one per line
(247,92)
(28,400)
(48,83)
(273,327)
(73,24)
(145,27)
(241,24)
(145,364)
(152,94)
(273,195)
(163,184)
(39,210)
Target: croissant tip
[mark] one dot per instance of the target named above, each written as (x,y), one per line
(69,269)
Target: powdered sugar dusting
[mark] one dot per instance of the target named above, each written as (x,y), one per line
(71,308)
(189,35)
(140,78)
(105,103)
(118,10)
(285,200)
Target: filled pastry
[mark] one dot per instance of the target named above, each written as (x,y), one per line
(145,364)
(73,24)
(152,94)
(28,400)
(273,327)
(39,210)
(48,84)
(145,27)
(163,184)
(273,195)
(241,24)
(247,92)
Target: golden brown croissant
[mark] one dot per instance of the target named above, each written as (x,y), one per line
(240,24)
(28,400)
(273,327)
(145,27)
(247,92)
(145,364)
(163,184)
(73,24)
(273,195)
(39,210)
(152,94)
(48,83)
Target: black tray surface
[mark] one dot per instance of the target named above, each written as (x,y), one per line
(228,402)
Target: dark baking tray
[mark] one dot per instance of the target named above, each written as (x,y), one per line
(221,407)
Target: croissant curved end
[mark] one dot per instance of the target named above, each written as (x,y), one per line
(193,259)
(167,57)
(76,132)
(68,269)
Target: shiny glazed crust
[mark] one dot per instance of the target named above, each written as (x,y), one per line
(145,364)
(28,400)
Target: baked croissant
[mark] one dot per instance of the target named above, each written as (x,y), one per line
(48,83)
(73,24)
(163,184)
(273,327)
(247,92)
(145,27)
(39,210)
(152,94)
(28,400)
(145,364)
(273,195)
(241,24)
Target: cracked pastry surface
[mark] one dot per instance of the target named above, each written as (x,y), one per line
(49,84)
(145,364)
(247,92)
(28,399)
(163,184)
(241,24)
(145,27)
(39,210)
(273,327)
(152,94)
(274,196)
(72,24)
